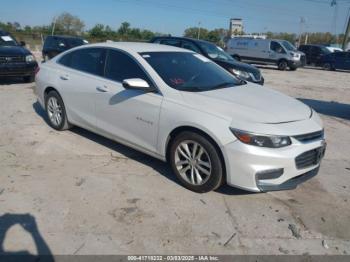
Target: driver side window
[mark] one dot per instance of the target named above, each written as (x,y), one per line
(276,47)
(120,66)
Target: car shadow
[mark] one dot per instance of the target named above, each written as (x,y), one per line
(11,80)
(329,108)
(28,223)
(159,166)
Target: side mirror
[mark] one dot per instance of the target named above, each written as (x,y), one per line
(22,43)
(137,84)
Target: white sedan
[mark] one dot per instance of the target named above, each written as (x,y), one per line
(178,106)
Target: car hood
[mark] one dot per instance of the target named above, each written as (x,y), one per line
(238,66)
(13,51)
(250,103)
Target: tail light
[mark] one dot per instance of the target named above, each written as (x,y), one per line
(37,69)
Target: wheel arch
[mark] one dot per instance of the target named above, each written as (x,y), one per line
(205,134)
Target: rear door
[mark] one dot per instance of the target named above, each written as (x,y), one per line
(126,114)
(79,77)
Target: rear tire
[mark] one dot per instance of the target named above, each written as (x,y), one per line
(282,65)
(29,79)
(56,111)
(196,162)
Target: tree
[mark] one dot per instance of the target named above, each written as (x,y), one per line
(124,29)
(98,31)
(69,24)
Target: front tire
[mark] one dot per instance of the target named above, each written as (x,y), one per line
(56,111)
(196,162)
(282,65)
(328,66)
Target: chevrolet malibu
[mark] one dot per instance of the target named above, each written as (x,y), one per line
(180,107)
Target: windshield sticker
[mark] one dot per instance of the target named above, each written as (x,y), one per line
(177,81)
(204,59)
(146,56)
(7,38)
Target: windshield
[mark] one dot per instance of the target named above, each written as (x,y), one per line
(215,52)
(7,40)
(288,46)
(325,50)
(189,71)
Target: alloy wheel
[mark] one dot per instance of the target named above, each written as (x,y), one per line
(192,162)
(54,110)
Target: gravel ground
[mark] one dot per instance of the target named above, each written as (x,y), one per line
(75,192)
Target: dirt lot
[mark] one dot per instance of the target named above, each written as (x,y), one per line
(89,195)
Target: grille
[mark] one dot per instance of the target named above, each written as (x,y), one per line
(310,136)
(309,158)
(11,59)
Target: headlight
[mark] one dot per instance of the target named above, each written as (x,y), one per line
(295,55)
(240,73)
(261,140)
(30,58)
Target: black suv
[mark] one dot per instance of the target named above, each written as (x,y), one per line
(216,54)
(55,45)
(15,59)
(314,53)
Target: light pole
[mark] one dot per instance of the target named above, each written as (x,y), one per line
(199,30)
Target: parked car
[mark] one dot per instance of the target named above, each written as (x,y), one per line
(266,51)
(181,107)
(55,44)
(216,54)
(314,53)
(337,60)
(15,59)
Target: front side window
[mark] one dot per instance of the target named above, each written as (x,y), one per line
(190,46)
(88,60)
(189,72)
(275,46)
(120,66)
(172,42)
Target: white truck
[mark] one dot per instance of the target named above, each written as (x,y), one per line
(266,51)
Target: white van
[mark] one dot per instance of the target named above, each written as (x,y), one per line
(266,51)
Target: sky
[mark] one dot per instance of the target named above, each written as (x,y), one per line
(174,16)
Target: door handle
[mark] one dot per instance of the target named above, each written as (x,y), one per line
(65,77)
(102,89)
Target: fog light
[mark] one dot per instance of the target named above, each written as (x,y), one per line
(269,174)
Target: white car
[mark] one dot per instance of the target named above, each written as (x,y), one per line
(180,107)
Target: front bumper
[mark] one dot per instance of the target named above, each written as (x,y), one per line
(17,69)
(266,169)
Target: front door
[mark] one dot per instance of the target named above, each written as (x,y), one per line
(126,114)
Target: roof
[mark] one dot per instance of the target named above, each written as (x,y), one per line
(137,47)
(65,36)
(182,38)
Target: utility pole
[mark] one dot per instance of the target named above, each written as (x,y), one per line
(53,26)
(302,22)
(346,34)
(199,30)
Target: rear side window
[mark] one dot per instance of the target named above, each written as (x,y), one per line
(120,66)
(88,60)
